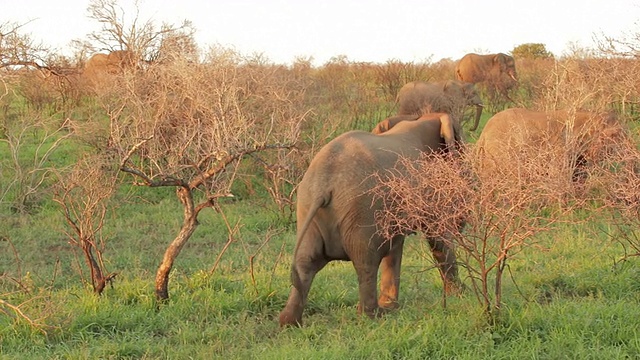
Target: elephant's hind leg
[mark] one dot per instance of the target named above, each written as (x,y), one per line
(308,260)
(390,275)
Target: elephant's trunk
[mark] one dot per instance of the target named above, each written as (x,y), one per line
(476,121)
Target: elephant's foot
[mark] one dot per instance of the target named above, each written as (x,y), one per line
(388,303)
(288,318)
(372,312)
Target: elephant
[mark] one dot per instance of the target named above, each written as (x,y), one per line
(100,66)
(518,133)
(449,96)
(335,214)
(496,69)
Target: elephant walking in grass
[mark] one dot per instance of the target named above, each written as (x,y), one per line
(496,69)
(516,135)
(494,73)
(450,96)
(335,213)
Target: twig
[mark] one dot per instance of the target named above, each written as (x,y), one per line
(22,315)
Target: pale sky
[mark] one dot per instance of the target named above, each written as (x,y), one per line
(370,31)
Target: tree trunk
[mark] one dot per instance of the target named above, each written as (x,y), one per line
(97,278)
(189,225)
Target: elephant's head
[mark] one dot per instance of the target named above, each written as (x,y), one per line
(505,65)
(499,70)
(468,96)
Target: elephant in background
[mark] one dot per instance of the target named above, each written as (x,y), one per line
(449,96)
(100,66)
(498,70)
(518,133)
(335,214)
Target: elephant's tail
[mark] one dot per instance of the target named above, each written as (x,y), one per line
(318,203)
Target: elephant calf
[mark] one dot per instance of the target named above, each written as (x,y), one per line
(449,96)
(335,213)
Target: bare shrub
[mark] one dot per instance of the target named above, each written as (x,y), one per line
(83,194)
(18,49)
(618,178)
(531,76)
(394,74)
(31,140)
(141,37)
(188,125)
(490,219)
(346,95)
(597,84)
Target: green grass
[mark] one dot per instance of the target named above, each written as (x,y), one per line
(569,301)
(567,297)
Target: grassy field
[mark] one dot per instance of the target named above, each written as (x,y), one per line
(567,296)
(568,299)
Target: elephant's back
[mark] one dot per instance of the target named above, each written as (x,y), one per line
(345,159)
(466,68)
(413,96)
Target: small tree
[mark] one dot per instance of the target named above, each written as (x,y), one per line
(142,37)
(18,49)
(489,218)
(83,195)
(619,176)
(531,51)
(188,125)
(29,175)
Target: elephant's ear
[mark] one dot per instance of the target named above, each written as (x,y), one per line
(382,127)
(447,131)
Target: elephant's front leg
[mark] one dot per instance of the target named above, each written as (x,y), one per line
(445,258)
(390,275)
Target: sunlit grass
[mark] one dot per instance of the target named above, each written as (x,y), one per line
(568,299)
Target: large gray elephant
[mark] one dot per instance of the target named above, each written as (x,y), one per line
(498,70)
(336,213)
(515,134)
(449,96)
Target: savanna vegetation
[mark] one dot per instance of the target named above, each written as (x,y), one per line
(149,212)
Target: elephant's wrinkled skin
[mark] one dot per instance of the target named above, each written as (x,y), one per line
(335,213)
(516,133)
(498,69)
(449,96)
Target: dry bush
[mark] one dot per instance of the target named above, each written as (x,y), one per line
(531,76)
(141,37)
(489,219)
(83,194)
(35,89)
(55,91)
(618,178)
(392,75)
(188,125)
(31,140)
(596,84)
